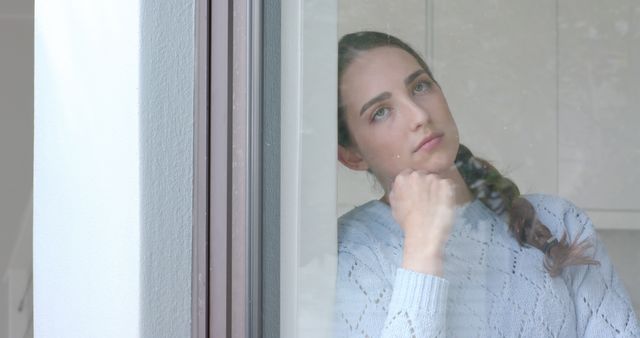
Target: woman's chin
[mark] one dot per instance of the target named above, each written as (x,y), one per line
(437,164)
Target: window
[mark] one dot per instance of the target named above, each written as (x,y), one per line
(545,91)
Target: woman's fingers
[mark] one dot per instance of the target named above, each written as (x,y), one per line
(423,204)
(418,191)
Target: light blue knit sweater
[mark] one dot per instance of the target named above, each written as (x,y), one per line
(492,287)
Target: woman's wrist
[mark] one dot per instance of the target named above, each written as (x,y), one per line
(424,259)
(423,248)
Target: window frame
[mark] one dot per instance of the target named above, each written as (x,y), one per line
(227,214)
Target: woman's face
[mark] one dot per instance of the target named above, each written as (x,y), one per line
(392,107)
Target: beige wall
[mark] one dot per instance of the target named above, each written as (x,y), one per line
(547,90)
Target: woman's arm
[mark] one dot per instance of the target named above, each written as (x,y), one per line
(423,205)
(368,305)
(414,304)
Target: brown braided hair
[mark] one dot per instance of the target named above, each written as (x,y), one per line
(484,181)
(502,196)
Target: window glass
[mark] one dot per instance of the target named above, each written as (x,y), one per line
(485,182)
(544,93)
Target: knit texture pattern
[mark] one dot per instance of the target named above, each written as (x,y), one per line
(491,286)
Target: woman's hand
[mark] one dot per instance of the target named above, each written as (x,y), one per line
(423,204)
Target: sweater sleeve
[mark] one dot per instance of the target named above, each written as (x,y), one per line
(601,302)
(368,305)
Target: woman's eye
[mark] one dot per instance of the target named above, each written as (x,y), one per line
(380,114)
(421,87)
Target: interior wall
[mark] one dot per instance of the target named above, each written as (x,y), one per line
(166,155)
(599,91)
(502,91)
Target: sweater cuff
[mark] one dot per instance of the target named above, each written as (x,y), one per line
(419,291)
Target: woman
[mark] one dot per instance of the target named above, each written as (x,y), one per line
(452,248)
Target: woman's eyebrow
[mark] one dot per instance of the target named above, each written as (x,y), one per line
(413,76)
(374,100)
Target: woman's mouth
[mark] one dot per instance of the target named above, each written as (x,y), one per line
(429,142)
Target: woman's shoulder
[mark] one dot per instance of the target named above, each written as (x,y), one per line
(560,214)
(373,218)
(550,203)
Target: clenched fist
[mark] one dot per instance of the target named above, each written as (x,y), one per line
(424,206)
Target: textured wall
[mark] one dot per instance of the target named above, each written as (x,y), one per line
(166,155)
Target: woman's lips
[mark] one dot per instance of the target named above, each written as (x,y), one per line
(429,142)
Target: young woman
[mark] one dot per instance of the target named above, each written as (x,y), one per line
(452,248)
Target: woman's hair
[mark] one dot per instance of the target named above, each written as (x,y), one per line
(484,181)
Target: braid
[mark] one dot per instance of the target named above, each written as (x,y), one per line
(501,195)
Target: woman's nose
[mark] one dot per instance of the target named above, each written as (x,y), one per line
(417,116)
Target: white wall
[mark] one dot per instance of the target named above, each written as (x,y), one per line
(497,66)
(308,151)
(550,92)
(405,19)
(112,195)
(87,169)
(599,88)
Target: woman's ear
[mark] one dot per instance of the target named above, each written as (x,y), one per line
(351,158)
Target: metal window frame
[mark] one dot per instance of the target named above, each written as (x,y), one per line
(227,215)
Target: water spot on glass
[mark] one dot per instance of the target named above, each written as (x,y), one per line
(622,27)
(471,86)
(580,24)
